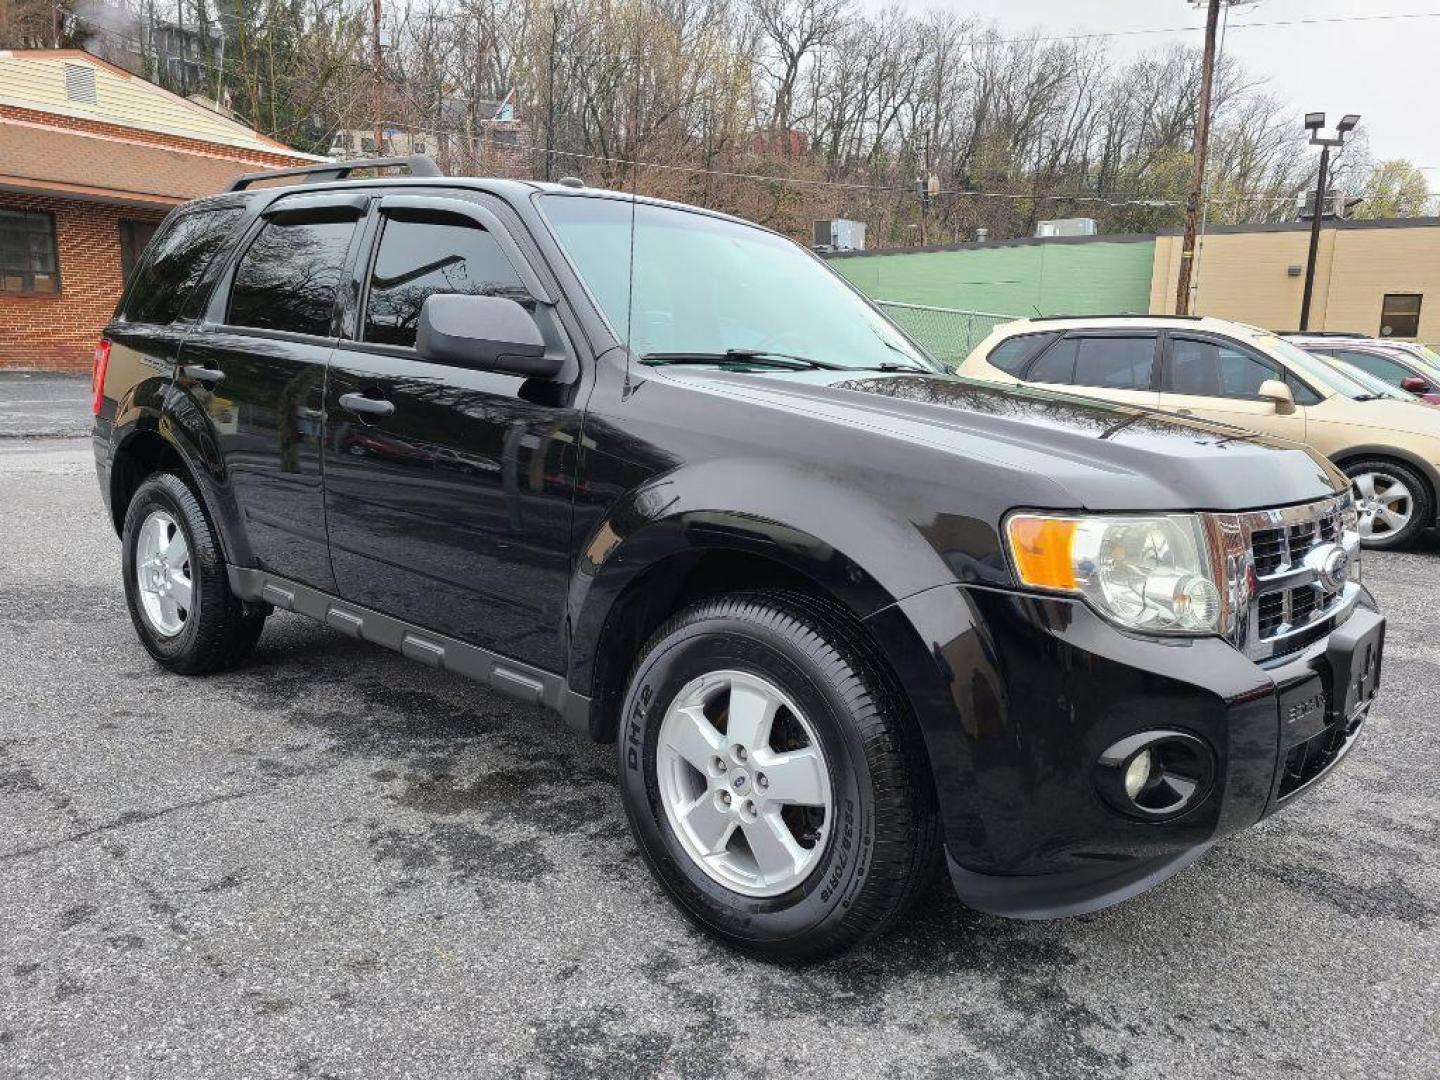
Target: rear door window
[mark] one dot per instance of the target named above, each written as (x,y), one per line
(1011,355)
(1115,363)
(419,258)
(175,263)
(289,276)
(1056,364)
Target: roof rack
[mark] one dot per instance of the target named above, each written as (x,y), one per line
(418,164)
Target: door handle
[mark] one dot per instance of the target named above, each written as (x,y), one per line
(359,403)
(202,374)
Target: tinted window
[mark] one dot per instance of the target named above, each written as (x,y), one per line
(288,278)
(177,259)
(1210,369)
(1056,364)
(1011,354)
(1382,367)
(1118,363)
(419,258)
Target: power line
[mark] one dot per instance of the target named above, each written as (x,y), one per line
(1099,34)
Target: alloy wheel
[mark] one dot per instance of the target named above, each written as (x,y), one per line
(744,783)
(1384,502)
(162,573)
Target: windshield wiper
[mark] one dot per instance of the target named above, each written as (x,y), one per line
(743,356)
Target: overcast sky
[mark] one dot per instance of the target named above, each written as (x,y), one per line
(1384,70)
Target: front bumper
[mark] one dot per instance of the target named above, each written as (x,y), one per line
(1024,693)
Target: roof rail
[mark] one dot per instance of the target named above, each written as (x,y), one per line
(1323,333)
(1123,315)
(418,164)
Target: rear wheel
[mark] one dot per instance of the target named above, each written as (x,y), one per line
(773,778)
(1394,502)
(175,582)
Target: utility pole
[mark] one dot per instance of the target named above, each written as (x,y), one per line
(1314,122)
(1197,175)
(377,95)
(550,91)
(927,186)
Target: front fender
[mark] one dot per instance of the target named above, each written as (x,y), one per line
(860,551)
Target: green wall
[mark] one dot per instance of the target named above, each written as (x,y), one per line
(1100,277)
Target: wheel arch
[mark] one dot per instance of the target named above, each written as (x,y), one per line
(1427,472)
(638,569)
(148,446)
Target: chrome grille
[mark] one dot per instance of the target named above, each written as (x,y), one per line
(1279,594)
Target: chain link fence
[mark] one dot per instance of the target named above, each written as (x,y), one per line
(947,333)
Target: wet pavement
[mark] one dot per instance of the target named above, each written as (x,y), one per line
(335,863)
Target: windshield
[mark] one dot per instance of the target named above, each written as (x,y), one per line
(709,288)
(1349,382)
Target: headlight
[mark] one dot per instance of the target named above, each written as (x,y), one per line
(1151,574)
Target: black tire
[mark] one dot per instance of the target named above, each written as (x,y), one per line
(1422,514)
(883,850)
(219,630)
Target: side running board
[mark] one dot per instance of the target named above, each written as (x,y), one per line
(531,685)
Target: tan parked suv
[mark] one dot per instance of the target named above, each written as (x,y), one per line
(1243,376)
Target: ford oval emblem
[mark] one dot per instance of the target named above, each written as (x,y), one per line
(1332,563)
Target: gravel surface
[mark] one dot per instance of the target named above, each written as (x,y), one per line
(336,863)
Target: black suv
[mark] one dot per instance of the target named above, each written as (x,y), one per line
(848,617)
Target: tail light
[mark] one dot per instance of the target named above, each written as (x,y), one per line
(97,377)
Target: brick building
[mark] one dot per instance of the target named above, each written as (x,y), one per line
(91,160)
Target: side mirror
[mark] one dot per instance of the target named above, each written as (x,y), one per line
(1276,391)
(1415,385)
(492,333)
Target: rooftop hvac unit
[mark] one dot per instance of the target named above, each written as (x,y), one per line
(1072,226)
(1337,205)
(839,234)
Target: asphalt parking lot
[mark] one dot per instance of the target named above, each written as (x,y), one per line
(335,863)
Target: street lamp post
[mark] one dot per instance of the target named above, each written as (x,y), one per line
(1314,123)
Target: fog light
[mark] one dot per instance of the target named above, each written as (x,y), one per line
(1156,774)
(1137,773)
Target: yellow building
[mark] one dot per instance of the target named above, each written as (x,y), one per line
(1371,277)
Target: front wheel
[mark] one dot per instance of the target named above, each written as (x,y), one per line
(773,778)
(1393,501)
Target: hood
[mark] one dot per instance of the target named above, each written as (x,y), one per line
(1057,450)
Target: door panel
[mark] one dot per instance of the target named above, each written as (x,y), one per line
(256,366)
(267,420)
(450,509)
(1217,379)
(453,511)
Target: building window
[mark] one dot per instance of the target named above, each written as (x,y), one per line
(134,236)
(29,263)
(1400,315)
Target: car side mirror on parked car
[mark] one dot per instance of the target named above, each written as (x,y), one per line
(1415,385)
(492,333)
(1276,391)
